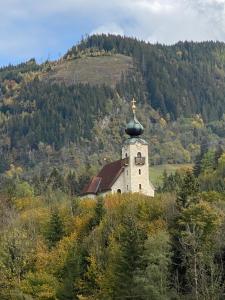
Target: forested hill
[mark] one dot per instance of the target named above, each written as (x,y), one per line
(60,121)
(66,113)
(183,79)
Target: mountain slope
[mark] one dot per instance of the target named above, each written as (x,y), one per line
(93,70)
(183,79)
(71,112)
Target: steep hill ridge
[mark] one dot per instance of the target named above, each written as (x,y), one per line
(93,70)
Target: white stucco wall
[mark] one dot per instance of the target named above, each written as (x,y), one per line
(119,184)
(89,196)
(132,178)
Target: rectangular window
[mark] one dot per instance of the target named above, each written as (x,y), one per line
(139,171)
(139,186)
(127,187)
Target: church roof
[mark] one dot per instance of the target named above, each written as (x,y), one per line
(134,127)
(105,178)
(92,186)
(134,140)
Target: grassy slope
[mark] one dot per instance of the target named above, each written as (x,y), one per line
(156,172)
(93,70)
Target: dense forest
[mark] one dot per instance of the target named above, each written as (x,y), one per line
(56,130)
(47,122)
(56,246)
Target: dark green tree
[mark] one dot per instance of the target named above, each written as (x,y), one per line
(56,180)
(218,153)
(131,241)
(55,230)
(99,212)
(188,190)
(203,150)
(70,275)
(71,183)
(171,182)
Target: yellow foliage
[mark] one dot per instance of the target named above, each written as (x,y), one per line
(43,255)
(79,223)
(38,216)
(162,122)
(156,226)
(87,204)
(27,203)
(13,171)
(54,259)
(113,201)
(8,101)
(222,161)
(198,122)
(41,285)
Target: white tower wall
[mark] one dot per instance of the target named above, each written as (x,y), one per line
(136,176)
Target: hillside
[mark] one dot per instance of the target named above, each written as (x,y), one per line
(61,121)
(71,113)
(55,246)
(96,70)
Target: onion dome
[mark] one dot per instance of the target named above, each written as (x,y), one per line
(134,127)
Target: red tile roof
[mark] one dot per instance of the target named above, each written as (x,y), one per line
(92,186)
(105,178)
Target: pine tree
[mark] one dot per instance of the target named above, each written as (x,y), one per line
(203,150)
(70,275)
(56,180)
(218,153)
(99,213)
(55,230)
(131,241)
(188,190)
(71,183)
(153,279)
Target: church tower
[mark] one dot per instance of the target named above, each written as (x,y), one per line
(128,174)
(135,150)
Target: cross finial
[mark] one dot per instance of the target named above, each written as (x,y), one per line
(133,105)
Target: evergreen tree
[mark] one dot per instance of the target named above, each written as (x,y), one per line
(218,154)
(171,182)
(99,212)
(131,241)
(188,190)
(203,150)
(71,183)
(70,275)
(56,180)
(153,279)
(55,230)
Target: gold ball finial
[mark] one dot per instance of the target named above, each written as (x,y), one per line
(133,105)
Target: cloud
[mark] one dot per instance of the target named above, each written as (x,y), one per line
(37,28)
(108,28)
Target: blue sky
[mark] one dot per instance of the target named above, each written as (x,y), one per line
(46,29)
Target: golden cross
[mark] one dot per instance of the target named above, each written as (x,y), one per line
(133,105)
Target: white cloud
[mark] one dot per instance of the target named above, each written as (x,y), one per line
(32,28)
(108,28)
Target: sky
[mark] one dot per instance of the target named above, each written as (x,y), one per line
(46,29)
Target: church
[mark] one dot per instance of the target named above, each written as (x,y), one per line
(130,174)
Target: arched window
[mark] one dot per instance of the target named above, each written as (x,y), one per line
(126,155)
(139,171)
(139,159)
(139,154)
(119,191)
(139,186)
